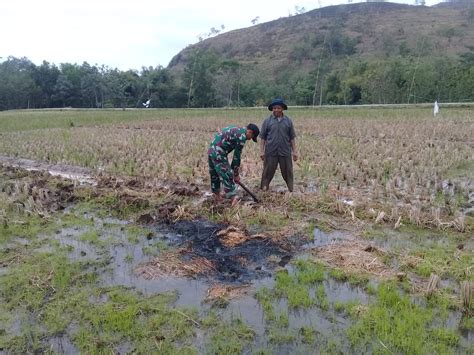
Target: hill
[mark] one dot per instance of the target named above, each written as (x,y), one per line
(328,40)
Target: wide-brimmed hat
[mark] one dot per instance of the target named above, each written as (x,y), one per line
(255,130)
(278,102)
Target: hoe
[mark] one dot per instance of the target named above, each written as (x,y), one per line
(248,191)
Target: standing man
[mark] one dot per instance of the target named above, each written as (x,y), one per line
(277,145)
(231,138)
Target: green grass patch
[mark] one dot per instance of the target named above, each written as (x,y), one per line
(42,276)
(91,236)
(338,274)
(445,261)
(75,220)
(136,233)
(287,287)
(467,322)
(231,338)
(24,226)
(296,287)
(321,298)
(395,324)
(308,272)
(462,168)
(266,297)
(351,308)
(281,336)
(22,120)
(307,334)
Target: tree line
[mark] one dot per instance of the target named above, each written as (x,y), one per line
(26,85)
(209,80)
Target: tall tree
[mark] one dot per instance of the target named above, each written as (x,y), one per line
(17,87)
(45,77)
(198,77)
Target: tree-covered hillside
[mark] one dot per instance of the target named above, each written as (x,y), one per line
(346,54)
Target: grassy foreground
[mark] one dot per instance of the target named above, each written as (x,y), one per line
(406,173)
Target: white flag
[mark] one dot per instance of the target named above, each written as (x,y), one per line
(436,108)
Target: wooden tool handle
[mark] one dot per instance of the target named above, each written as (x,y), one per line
(248,191)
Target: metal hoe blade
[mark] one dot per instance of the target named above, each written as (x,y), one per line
(248,191)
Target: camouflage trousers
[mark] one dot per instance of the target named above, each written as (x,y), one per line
(219,169)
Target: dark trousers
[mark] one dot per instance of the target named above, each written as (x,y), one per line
(269,167)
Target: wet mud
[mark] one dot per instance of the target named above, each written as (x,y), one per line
(149,185)
(75,173)
(44,194)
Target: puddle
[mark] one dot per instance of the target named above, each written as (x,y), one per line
(393,240)
(16,243)
(122,257)
(452,323)
(327,324)
(247,262)
(248,308)
(451,188)
(21,241)
(321,238)
(343,292)
(60,345)
(81,178)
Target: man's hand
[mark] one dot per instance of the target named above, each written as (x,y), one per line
(236,175)
(295,156)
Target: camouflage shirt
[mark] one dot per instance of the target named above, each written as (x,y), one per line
(231,138)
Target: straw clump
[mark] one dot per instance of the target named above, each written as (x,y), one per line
(356,257)
(171,263)
(467,290)
(232,236)
(225,292)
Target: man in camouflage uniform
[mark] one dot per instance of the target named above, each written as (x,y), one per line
(232,138)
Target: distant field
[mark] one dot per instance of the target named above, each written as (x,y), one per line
(21,120)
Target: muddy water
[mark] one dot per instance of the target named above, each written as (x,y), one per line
(121,256)
(328,324)
(396,241)
(247,307)
(466,188)
(61,344)
(321,238)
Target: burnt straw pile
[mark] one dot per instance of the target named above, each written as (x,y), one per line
(218,253)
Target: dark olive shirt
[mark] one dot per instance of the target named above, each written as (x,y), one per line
(278,136)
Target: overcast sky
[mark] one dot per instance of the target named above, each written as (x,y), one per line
(128,34)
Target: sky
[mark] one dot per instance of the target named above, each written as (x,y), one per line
(129,34)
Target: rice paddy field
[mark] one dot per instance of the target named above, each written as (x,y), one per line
(111,243)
